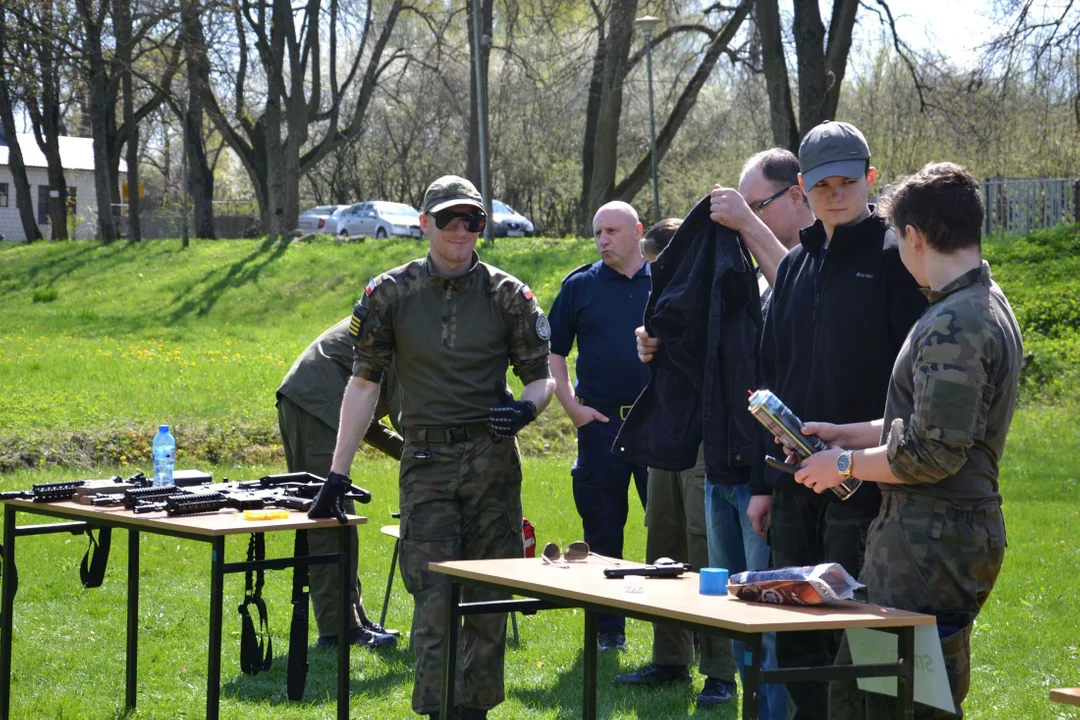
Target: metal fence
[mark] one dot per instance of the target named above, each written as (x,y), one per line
(1016,207)
(232,219)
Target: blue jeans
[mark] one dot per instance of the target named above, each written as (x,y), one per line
(734,545)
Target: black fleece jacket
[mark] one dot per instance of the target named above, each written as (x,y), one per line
(836,321)
(706,311)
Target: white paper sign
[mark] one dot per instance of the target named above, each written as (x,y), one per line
(931,681)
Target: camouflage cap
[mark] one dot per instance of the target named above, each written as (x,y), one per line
(450,190)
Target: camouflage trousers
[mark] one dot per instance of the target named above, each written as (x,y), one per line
(675,519)
(309,447)
(809,529)
(459,501)
(929,556)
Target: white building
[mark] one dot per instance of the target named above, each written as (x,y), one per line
(77,157)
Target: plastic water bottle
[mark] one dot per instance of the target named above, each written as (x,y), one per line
(164,456)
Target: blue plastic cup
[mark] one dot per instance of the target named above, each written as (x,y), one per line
(713,581)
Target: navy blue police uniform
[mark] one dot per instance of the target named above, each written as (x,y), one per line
(600,308)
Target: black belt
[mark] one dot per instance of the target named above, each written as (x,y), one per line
(447,435)
(619,411)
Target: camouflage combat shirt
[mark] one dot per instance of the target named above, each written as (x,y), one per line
(317,379)
(451,340)
(953,392)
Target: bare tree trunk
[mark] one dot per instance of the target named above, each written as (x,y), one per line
(821,68)
(92,22)
(841,26)
(592,113)
(122,28)
(473,149)
(809,35)
(15,158)
(631,185)
(605,147)
(258,139)
(785,131)
(200,180)
(46,124)
(46,119)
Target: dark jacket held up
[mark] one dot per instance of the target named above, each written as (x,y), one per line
(706,312)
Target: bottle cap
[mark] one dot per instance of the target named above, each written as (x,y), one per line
(163,428)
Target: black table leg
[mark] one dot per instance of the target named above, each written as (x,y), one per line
(751,678)
(344,646)
(905,683)
(450,641)
(389,583)
(132,675)
(588,710)
(6,607)
(217,588)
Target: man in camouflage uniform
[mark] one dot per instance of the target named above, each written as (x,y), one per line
(450,326)
(938,543)
(309,404)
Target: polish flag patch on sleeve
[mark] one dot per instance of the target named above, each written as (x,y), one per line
(526,292)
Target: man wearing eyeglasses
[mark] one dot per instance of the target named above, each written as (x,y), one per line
(598,306)
(768,211)
(451,326)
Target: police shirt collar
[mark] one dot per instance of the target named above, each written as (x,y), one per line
(975,276)
(813,237)
(455,285)
(609,273)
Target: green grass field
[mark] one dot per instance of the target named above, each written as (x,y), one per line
(99,344)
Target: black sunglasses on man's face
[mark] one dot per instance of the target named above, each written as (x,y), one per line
(474,221)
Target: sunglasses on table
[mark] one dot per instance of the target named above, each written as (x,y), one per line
(473,221)
(577,551)
(759,207)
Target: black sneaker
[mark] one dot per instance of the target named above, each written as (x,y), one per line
(612,641)
(360,636)
(716,692)
(464,713)
(654,674)
(378,629)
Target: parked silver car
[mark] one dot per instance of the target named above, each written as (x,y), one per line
(508,222)
(323,218)
(379,220)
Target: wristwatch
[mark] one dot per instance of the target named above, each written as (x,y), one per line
(845,465)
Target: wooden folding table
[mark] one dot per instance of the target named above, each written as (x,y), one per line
(676,601)
(209,528)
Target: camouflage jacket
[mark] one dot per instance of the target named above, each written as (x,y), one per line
(953,392)
(316,382)
(451,340)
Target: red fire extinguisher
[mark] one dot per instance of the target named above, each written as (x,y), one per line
(529,533)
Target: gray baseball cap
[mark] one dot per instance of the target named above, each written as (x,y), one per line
(451,190)
(832,149)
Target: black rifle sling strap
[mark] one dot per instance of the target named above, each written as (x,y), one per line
(14,574)
(298,630)
(92,569)
(253,657)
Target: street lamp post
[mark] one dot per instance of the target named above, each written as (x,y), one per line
(647,24)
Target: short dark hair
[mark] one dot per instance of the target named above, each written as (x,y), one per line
(659,235)
(942,200)
(778,165)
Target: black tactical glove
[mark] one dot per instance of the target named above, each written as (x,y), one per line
(507,420)
(330,500)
